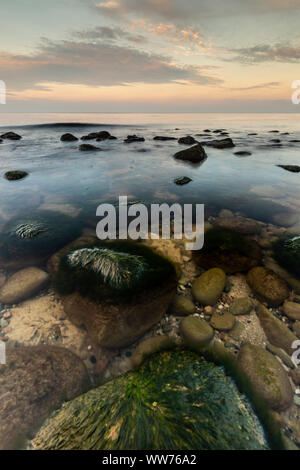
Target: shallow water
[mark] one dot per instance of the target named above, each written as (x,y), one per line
(60,174)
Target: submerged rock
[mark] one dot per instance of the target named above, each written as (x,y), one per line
(11,136)
(268,286)
(35,381)
(88,148)
(220,144)
(209,286)
(196,333)
(15,175)
(193,154)
(276,331)
(23,284)
(239,224)
(182,306)
(292,310)
(176,400)
(241,306)
(117,290)
(68,138)
(242,153)
(228,250)
(133,138)
(287,253)
(182,180)
(223,321)
(267,376)
(163,138)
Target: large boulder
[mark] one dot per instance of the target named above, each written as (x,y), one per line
(209,286)
(228,250)
(23,284)
(176,400)
(276,331)
(268,286)
(116,290)
(267,376)
(34,382)
(195,154)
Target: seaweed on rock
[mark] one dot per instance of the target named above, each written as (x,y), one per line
(287,253)
(175,400)
(111,271)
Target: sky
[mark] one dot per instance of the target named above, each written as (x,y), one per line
(149,55)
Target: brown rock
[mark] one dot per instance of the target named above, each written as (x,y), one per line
(267,376)
(268,286)
(239,224)
(292,310)
(296,328)
(222,322)
(23,284)
(33,382)
(276,331)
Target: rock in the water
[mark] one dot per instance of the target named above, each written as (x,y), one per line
(292,168)
(88,148)
(296,328)
(220,144)
(15,175)
(117,290)
(242,306)
(209,286)
(33,382)
(104,135)
(11,136)
(287,253)
(268,286)
(242,153)
(182,306)
(267,376)
(149,347)
(239,224)
(163,138)
(228,250)
(281,354)
(182,180)
(196,333)
(188,140)
(176,400)
(68,138)
(275,330)
(292,310)
(193,154)
(133,138)
(223,321)
(23,284)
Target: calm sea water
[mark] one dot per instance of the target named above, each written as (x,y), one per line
(59,174)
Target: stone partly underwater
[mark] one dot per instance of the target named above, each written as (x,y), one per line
(175,400)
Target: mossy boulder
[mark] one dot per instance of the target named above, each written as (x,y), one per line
(229,250)
(196,332)
(241,306)
(117,290)
(268,286)
(209,286)
(174,401)
(267,376)
(276,331)
(29,240)
(287,254)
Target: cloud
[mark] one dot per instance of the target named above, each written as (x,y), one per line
(256,87)
(267,53)
(109,33)
(95,63)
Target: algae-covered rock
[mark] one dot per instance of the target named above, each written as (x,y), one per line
(182,306)
(23,284)
(292,310)
(268,286)
(196,332)
(267,376)
(116,290)
(175,401)
(209,286)
(222,321)
(228,250)
(276,331)
(287,254)
(28,240)
(241,306)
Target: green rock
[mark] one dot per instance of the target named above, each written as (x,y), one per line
(209,286)
(292,310)
(268,286)
(267,376)
(241,306)
(287,253)
(276,331)
(182,306)
(281,354)
(222,321)
(196,332)
(175,401)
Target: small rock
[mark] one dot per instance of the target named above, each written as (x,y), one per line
(182,180)
(23,284)
(15,175)
(196,332)
(11,136)
(291,310)
(193,154)
(88,148)
(182,306)
(188,140)
(242,306)
(267,285)
(68,138)
(222,322)
(209,286)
